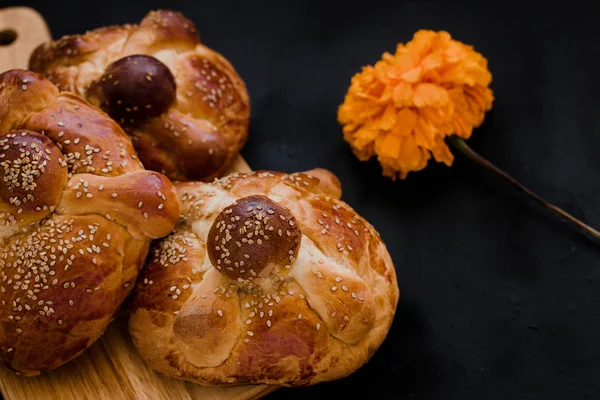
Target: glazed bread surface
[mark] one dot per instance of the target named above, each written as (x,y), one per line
(77,214)
(183,104)
(268,278)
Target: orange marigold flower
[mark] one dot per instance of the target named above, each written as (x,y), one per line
(404,106)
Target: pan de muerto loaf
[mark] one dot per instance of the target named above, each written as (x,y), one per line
(77,214)
(268,278)
(184,106)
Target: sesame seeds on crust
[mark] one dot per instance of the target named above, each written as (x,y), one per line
(63,266)
(328,293)
(250,235)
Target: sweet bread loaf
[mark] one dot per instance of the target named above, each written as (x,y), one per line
(268,278)
(77,214)
(184,106)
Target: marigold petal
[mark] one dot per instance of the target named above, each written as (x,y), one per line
(438,116)
(425,156)
(481,97)
(424,134)
(387,146)
(388,119)
(399,155)
(345,115)
(431,75)
(386,95)
(441,41)
(387,57)
(410,154)
(365,153)
(454,53)
(461,127)
(362,110)
(422,43)
(429,94)
(367,132)
(441,152)
(402,94)
(413,75)
(404,61)
(451,73)
(477,68)
(432,62)
(405,122)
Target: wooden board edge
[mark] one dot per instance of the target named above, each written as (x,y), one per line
(31,29)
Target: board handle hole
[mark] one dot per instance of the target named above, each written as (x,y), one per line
(7,37)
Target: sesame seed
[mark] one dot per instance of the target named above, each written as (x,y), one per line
(220,312)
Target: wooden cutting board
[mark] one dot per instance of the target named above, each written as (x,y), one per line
(111,368)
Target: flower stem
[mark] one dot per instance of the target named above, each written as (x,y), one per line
(462,146)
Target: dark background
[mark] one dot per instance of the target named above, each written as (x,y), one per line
(499,299)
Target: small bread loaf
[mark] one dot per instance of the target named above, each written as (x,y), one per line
(268,278)
(77,214)
(184,106)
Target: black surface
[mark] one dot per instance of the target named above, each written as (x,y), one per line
(499,299)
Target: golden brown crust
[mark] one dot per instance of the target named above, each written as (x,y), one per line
(167,143)
(318,320)
(76,128)
(194,127)
(17,85)
(163,29)
(77,213)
